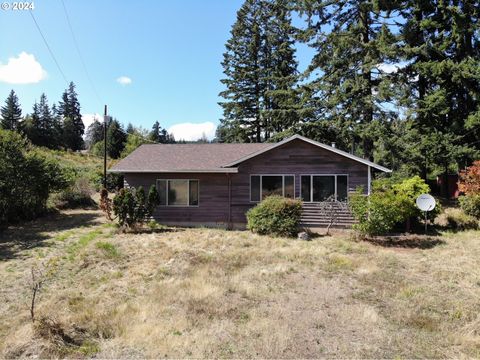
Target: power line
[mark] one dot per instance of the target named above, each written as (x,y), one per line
(48,47)
(80,54)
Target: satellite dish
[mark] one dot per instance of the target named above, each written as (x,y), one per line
(426,202)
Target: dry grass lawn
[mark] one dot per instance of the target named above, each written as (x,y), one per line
(210,293)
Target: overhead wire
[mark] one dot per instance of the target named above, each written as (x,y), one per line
(48,46)
(77,47)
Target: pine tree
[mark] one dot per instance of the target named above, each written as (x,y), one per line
(94,133)
(260,73)
(116,139)
(32,126)
(441,81)
(160,135)
(155,134)
(57,127)
(73,128)
(11,113)
(130,129)
(47,129)
(352,38)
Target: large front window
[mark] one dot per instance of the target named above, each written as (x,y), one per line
(318,188)
(262,186)
(178,192)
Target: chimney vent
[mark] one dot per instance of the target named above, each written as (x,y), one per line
(333,144)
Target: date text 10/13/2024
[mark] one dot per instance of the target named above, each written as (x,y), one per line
(18,5)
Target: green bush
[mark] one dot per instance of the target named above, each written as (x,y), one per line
(275,215)
(132,207)
(470,204)
(390,203)
(27,178)
(456,219)
(79,195)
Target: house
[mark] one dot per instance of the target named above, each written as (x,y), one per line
(215,184)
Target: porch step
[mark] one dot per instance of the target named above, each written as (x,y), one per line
(312,216)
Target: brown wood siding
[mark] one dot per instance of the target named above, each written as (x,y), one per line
(213,198)
(296,158)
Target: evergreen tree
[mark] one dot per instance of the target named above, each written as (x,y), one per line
(94,133)
(442,79)
(47,124)
(260,73)
(130,129)
(160,135)
(116,139)
(32,126)
(352,39)
(11,113)
(40,127)
(57,127)
(73,128)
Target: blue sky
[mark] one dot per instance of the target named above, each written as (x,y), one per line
(170,50)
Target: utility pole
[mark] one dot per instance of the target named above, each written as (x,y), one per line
(105,148)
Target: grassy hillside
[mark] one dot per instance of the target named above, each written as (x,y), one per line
(213,293)
(83,162)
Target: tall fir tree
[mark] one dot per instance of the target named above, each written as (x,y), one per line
(73,127)
(352,40)
(32,125)
(116,139)
(441,80)
(160,135)
(260,73)
(94,133)
(11,113)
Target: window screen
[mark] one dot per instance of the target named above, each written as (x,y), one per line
(193,200)
(162,191)
(178,192)
(271,185)
(255,188)
(289,187)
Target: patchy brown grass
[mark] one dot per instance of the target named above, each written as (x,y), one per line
(212,293)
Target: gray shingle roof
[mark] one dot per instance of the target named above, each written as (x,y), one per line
(186,157)
(209,157)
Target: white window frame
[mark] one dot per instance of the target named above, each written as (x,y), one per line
(188,195)
(261,185)
(311,184)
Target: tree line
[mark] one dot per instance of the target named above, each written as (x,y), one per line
(60,126)
(120,141)
(397,82)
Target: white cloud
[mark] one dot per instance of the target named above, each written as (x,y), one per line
(124,80)
(24,69)
(193,132)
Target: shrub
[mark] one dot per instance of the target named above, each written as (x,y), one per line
(377,214)
(106,204)
(390,203)
(275,215)
(132,207)
(470,204)
(456,219)
(79,195)
(26,179)
(469,179)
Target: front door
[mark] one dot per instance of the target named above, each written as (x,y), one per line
(318,188)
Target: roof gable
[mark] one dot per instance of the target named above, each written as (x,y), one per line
(313,142)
